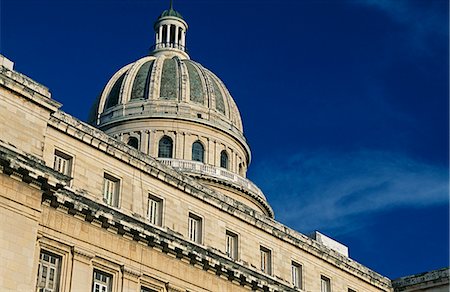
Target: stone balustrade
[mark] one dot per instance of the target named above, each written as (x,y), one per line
(216,172)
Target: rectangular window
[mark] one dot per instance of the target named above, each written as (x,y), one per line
(48,272)
(62,163)
(102,282)
(195,228)
(296,275)
(325,284)
(154,212)
(145,289)
(232,245)
(111,190)
(351,290)
(266,260)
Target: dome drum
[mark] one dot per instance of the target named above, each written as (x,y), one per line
(184,134)
(167,110)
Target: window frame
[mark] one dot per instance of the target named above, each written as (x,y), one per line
(265,265)
(68,159)
(297,281)
(152,284)
(327,281)
(234,253)
(200,151)
(224,153)
(146,289)
(133,138)
(159,202)
(57,267)
(115,195)
(195,234)
(109,284)
(161,150)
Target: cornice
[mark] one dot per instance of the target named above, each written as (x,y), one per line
(27,88)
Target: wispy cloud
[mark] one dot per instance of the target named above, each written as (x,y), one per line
(422,19)
(325,189)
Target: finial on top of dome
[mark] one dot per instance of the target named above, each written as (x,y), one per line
(170,29)
(170,12)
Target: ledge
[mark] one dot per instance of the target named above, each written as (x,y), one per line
(423,280)
(27,87)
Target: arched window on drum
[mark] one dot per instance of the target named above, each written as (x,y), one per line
(198,151)
(133,142)
(224,159)
(165,147)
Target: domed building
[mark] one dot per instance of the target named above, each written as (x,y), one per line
(151,195)
(173,108)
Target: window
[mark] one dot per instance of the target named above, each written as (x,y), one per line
(62,163)
(102,282)
(232,245)
(154,212)
(198,151)
(224,159)
(133,142)
(165,147)
(145,289)
(48,272)
(266,260)
(195,228)
(111,190)
(296,275)
(351,290)
(325,284)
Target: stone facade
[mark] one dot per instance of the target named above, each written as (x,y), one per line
(434,281)
(81,210)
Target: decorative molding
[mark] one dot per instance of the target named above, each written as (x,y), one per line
(80,253)
(129,271)
(171,288)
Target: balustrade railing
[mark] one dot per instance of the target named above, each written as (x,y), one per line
(172,45)
(218,172)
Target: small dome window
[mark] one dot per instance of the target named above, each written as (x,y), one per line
(198,151)
(165,147)
(133,142)
(224,159)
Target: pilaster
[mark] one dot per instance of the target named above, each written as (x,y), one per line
(82,271)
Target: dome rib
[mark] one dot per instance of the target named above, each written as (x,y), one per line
(206,83)
(108,87)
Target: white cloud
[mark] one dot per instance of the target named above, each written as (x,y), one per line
(423,19)
(325,189)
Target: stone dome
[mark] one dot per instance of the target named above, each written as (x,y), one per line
(167,86)
(172,108)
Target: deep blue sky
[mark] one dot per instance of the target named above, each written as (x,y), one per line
(344,103)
